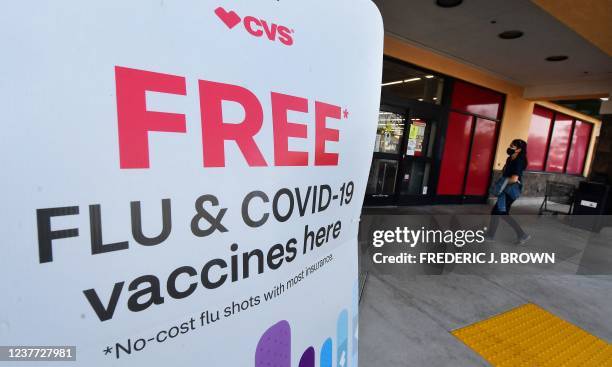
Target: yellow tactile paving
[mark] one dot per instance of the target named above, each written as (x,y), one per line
(533,337)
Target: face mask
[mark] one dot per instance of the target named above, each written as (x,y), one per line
(510,151)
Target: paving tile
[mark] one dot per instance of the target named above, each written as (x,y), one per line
(581,300)
(393,333)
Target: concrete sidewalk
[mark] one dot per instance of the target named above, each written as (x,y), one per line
(406,320)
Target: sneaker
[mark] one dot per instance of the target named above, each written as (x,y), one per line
(489,239)
(523,239)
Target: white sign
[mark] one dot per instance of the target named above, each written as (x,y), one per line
(590,204)
(182,179)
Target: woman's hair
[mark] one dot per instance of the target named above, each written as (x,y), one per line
(522,144)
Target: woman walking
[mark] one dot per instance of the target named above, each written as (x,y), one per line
(507,189)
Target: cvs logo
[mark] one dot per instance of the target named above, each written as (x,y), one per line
(256,27)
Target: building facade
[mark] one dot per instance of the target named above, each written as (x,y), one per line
(444,127)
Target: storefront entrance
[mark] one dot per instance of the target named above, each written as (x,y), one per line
(435,141)
(402,163)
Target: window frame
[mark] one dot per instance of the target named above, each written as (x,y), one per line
(446,81)
(551,129)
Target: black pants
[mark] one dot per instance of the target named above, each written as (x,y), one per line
(496,214)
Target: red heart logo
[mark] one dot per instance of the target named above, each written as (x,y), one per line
(230,18)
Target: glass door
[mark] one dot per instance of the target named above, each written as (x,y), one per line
(417,161)
(383,181)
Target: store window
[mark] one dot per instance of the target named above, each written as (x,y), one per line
(541,120)
(389,133)
(475,100)
(557,142)
(405,82)
(471,137)
(579,148)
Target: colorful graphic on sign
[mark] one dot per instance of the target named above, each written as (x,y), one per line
(274,347)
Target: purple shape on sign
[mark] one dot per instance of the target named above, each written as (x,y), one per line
(308,358)
(274,346)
